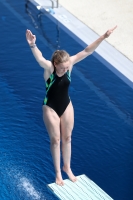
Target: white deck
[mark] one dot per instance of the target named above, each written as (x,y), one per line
(106,53)
(83,189)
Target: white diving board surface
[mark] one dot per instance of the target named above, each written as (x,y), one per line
(83,189)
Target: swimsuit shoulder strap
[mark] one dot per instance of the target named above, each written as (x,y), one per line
(68,75)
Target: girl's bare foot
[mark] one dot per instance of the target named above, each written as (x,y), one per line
(59,180)
(70,174)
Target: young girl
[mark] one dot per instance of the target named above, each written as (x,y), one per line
(58,113)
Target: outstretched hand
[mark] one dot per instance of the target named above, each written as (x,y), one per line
(31,39)
(108,33)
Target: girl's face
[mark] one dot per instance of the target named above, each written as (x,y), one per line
(62,68)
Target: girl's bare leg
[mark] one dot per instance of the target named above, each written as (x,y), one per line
(67,122)
(52,123)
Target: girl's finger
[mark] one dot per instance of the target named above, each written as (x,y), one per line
(114,28)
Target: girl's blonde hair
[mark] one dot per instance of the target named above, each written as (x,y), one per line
(59,56)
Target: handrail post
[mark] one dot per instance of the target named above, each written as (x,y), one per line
(57,3)
(52,4)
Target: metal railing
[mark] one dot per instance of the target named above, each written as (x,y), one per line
(57,3)
(37,17)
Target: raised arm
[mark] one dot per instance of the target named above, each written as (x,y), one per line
(31,39)
(90,48)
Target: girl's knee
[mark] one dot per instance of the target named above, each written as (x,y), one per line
(66,139)
(55,141)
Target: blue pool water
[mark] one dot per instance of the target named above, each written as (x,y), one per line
(102,140)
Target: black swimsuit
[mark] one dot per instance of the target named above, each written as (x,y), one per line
(57,92)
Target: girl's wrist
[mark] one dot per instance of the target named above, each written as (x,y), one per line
(33,45)
(103,37)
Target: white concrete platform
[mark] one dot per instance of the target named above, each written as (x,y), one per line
(104,14)
(106,53)
(83,189)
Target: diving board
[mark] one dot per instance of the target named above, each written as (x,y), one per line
(83,189)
